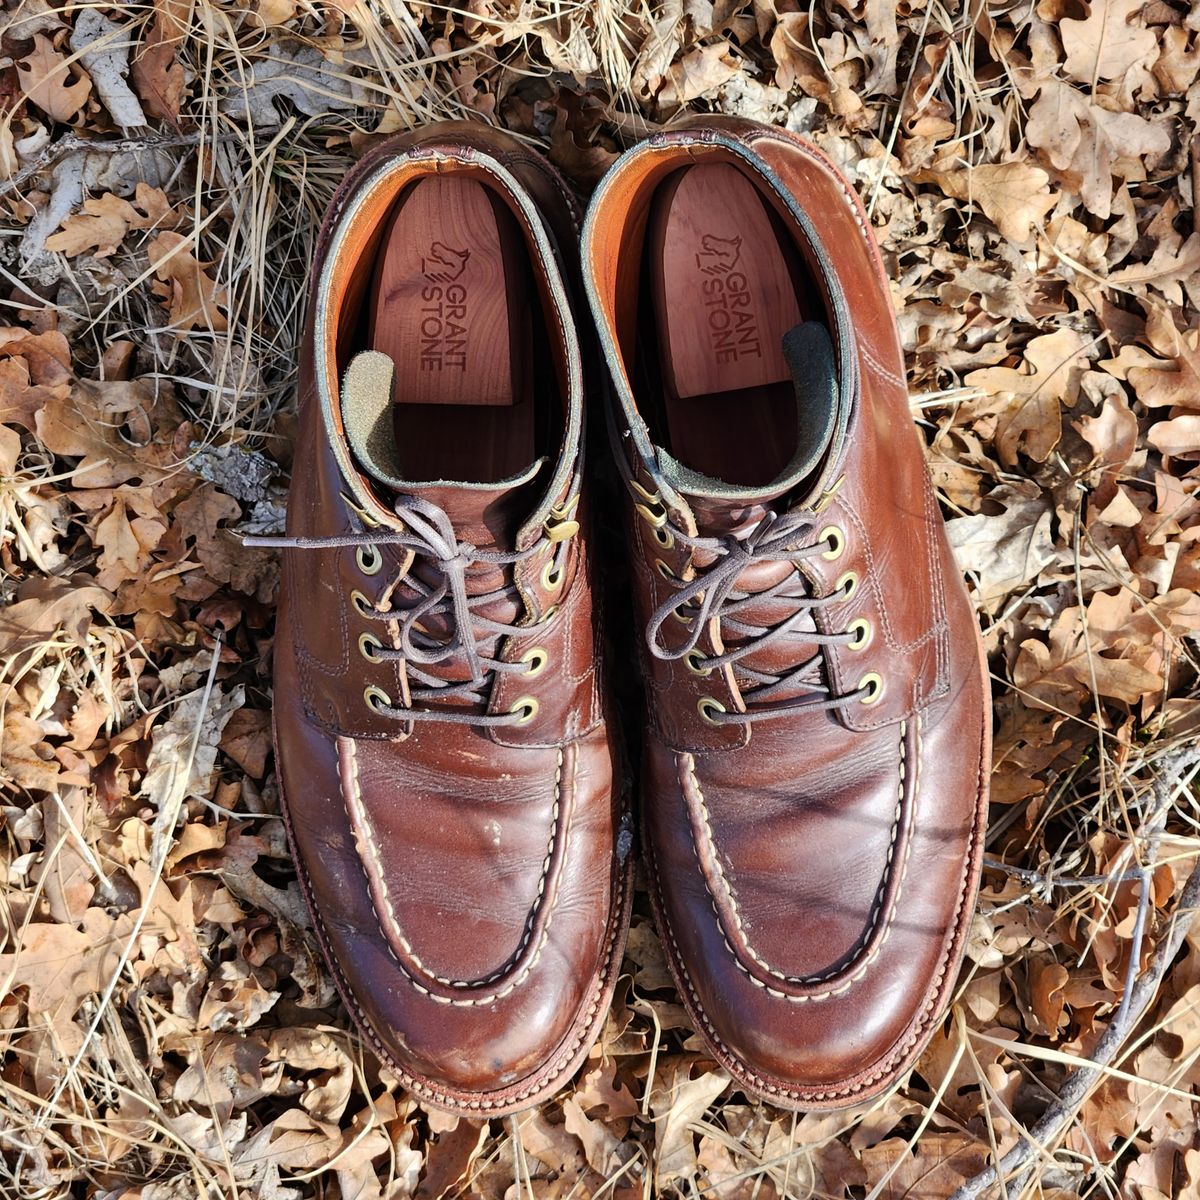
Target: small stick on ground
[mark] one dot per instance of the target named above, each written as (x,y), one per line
(1017,1163)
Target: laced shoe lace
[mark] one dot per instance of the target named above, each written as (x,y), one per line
(429,534)
(712,593)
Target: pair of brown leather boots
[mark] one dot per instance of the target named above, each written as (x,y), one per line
(814,776)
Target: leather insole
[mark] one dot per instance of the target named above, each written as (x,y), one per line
(724,281)
(449,303)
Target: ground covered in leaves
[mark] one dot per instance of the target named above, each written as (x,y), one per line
(166,1027)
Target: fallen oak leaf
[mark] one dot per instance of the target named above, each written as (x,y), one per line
(44,72)
(1087,143)
(99,229)
(157,77)
(46,605)
(192,299)
(105,221)
(34,371)
(1005,551)
(61,965)
(1104,45)
(1014,196)
(677,1103)
(1177,438)
(1029,417)
(86,424)
(698,73)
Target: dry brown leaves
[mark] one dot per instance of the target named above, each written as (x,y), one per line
(166,1026)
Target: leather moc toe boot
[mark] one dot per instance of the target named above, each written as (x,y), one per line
(815,772)
(445,761)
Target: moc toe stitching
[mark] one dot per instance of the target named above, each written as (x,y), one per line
(402,952)
(906,1049)
(539,1084)
(727,910)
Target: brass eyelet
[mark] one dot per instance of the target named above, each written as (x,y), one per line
(664,570)
(550,611)
(848,583)
(837,542)
(652,498)
(375,697)
(681,617)
(369,559)
(360,602)
(527,706)
(664,537)
(693,659)
(367,645)
(706,706)
(872,683)
(863,632)
(537,658)
(656,519)
(552,577)
(561,531)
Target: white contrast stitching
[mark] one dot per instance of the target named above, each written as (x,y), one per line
(877,906)
(604,979)
(364,834)
(736,1065)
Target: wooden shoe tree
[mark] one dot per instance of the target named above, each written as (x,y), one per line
(449,303)
(724,287)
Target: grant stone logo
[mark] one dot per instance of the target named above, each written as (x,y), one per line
(444,309)
(718,255)
(728,302)
(444,264)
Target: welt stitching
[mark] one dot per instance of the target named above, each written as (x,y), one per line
(876,908)
(360,821)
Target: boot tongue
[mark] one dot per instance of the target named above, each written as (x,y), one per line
(822,412)
(487,515)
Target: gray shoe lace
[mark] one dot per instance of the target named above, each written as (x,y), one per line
(429,534)
(711,593)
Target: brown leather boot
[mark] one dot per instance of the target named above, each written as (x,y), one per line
(815,773)
(441,739)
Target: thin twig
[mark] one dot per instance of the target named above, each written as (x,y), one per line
(54,152)
(1017,1163)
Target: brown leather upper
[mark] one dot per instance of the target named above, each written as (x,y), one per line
(464,879)
(814,873)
